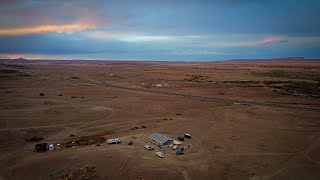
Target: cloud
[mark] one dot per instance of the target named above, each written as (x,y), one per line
(198,52)
(12,56)
(106,35)
(146,38)
(65,28)
(25,56)
(267,40)
(130,37)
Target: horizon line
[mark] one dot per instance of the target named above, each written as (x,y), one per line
(153,60)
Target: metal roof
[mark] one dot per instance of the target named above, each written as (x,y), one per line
(159,138)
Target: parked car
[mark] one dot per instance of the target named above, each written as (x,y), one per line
(130,143)
(42,147)
(160,154)
(179,153)
(181,138)
(51,147)
(186,135)
(148,147)
(180,150)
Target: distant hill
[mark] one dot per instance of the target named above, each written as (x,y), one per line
(281,59)
(288,59)
(148,62)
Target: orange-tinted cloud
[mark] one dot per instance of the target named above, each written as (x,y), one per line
(24,56)
(12,56)
(65,28)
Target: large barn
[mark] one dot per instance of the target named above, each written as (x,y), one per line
(160,140)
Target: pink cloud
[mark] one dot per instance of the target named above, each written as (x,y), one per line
(267,40)
(105,34)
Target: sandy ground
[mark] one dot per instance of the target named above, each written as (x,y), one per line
(238,131)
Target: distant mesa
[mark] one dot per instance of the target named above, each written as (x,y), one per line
(289,59)
(20,59)
(281,59)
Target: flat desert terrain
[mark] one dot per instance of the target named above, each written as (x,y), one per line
(248,119)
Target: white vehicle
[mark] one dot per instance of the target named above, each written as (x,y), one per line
(50,147)
(114,141)
(160,154)
(148,147)
(186,135)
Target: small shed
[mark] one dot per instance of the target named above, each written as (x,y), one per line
(160,140)
(175,142)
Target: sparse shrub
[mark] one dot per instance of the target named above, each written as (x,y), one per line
(242,82)
(298,89)
(143,126)
(8,71)
(34,138)
(41,94)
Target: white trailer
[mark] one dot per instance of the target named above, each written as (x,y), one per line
(113,141)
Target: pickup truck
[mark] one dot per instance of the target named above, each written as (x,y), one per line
(160,154)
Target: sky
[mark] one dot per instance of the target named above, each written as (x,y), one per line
(169,30)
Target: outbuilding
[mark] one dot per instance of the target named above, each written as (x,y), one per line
(160,140)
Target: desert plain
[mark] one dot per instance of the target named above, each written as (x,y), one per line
(257,119)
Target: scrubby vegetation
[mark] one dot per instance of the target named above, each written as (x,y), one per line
(34,138)
(197,78)
(82,172)
(85,141)
(8,71)
(245,83)
(306,89)
(289,74)
(242,82)
(295,88)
